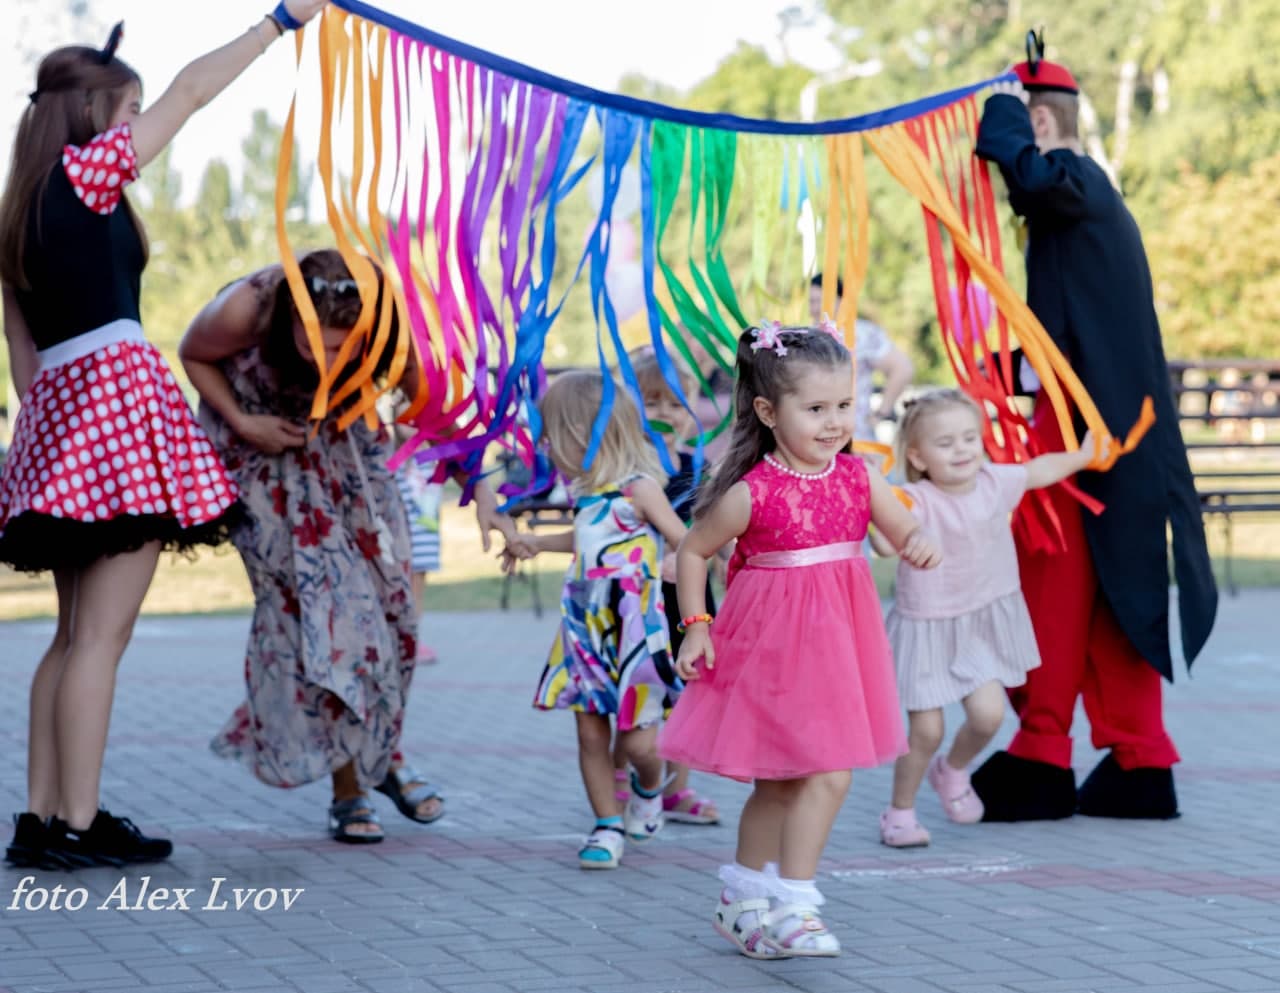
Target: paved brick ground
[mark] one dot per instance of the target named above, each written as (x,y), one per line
(490,900)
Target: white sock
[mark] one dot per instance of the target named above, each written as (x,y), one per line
(801,891)
(742,883)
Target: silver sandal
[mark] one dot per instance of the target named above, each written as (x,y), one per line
(407,803)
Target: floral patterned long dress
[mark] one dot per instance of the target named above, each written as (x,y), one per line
(331,649)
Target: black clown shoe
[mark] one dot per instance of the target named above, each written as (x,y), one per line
(1017,789)
(109,840)
(1138,794)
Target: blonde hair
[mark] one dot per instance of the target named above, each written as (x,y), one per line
(569,409)
(649,377)
(914,414)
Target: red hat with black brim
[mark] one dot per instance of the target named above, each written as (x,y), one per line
(1038,76)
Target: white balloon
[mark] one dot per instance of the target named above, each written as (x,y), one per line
(627,200)
(625,284)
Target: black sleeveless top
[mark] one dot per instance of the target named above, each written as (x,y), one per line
(84,267)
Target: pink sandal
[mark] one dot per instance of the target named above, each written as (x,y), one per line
(962,805)
(687,807)
(900,829)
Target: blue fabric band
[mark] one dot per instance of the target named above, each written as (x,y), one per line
(281,14)
(657,111)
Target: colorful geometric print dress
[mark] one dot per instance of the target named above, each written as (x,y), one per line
(326,545)
(803,680)
(106,455)
(612,654)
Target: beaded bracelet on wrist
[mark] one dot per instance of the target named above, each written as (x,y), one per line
(688,622)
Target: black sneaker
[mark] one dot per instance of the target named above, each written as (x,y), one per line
(29,848)
(109,840)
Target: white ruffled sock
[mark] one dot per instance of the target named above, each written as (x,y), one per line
(802,891)
(742,883)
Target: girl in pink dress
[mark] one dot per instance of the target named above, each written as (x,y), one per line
(795,686)
(961,633)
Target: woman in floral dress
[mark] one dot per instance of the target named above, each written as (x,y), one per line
(326,546)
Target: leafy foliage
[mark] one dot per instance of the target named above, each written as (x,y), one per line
(1186,95)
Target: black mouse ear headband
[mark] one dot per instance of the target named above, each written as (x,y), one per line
(1035,51)
(113,42)
(107,53)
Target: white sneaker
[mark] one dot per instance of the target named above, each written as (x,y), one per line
(643,817)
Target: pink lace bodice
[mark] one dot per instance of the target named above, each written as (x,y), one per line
(790,512)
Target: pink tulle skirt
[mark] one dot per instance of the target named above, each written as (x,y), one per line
(803,680)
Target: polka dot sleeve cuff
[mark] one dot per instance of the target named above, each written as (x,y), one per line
(99,170)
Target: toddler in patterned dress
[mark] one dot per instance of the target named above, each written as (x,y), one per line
(610,660)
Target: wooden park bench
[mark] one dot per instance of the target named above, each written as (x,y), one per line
(1237,461)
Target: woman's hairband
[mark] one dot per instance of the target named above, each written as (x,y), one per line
(113,42)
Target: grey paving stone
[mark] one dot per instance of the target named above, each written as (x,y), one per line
(489,900)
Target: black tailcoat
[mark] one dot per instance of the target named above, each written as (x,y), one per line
(1089,284)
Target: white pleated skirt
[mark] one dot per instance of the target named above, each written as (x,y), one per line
(941,661)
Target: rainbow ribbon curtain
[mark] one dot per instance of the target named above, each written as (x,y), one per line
(490,191)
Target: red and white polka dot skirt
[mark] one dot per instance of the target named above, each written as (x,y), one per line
(106,455)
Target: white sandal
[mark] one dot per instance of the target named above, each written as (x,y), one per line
(603,839)
(795,929)
(750,942)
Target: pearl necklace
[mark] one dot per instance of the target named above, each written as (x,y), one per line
(831,467)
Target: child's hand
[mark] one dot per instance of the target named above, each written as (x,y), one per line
(669,567)
(521,546)
(921,550)
(696,645)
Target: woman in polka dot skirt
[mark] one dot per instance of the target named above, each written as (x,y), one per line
(331,649)
(107,465)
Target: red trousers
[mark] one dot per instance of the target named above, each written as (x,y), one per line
(1083,651)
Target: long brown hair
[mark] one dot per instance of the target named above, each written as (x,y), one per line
(76,96)
(763,373)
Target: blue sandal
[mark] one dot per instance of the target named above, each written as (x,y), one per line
(408,790)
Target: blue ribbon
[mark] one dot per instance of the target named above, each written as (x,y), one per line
(657,111)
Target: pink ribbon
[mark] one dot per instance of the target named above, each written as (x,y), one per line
(805,556)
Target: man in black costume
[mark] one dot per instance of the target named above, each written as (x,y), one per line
(1100,606)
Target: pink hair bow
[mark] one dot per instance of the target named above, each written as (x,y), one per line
(828,326)
(768,335)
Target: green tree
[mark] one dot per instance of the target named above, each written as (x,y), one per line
(1217,262)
